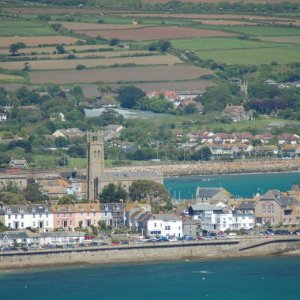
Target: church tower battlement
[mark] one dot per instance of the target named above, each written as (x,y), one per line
(95,163)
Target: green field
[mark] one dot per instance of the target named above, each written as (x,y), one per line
(19,27)
(265,30)
(254,56)
(205,44)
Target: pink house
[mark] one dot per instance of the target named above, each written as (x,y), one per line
(63,216)
(87,214)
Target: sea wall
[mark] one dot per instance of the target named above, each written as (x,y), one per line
(218,167)
(156,252)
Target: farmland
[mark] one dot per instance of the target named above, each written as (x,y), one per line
(122,74)
(205,44)
(35,41)
(154,33)
(91,63)
(254,56)
(12,27)
(50,50)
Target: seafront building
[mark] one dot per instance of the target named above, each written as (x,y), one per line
(19,217)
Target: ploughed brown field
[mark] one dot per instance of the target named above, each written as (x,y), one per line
(155,33)
(62,64)
(96,26)
(122,74)
(37,40)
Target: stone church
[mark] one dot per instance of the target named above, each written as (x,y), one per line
(97,178)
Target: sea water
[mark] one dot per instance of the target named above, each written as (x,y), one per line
(251,278)
(241,185)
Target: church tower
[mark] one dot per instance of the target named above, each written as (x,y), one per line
(95,163)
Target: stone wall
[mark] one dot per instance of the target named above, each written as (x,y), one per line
(167,251)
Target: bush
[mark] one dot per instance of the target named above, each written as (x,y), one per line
(80,67)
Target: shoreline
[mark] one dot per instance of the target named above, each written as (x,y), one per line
(45,267)
(218,249)
(214,168)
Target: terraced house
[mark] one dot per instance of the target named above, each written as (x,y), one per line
(23,216)
(70,216)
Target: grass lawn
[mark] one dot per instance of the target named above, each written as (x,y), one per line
(46,161)
(19,27)
(76,162)
(258,124)
(254,56)
(205,44)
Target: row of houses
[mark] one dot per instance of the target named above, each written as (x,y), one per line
(203,137)
(27,237)
(216,210)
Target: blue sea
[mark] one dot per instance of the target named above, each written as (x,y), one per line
(233,279)
(241,185)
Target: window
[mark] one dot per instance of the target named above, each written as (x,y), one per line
(167,227)
(47,215)
(9,216)
(154,224)
(22,224)
(47,223)
(57,215)
(33,216)
(9,225)
(40,215)
(16,216)
(57,223)
(22,216)
(33,224)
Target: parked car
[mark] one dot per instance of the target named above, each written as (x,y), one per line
(162,239)
(281,232)
(297,231)
(269,231)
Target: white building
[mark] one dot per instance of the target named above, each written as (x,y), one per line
(215,217)
(164,225)
(20,217)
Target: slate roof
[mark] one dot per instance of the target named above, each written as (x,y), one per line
(27,209)
(208,192)
(247,205)
(165,217)
(276,195)
(204,207)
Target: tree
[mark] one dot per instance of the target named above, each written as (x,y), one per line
(190,109)
(67,199)
(114,42)
(164,45)
(113,193)
(61,142)
(32,193)
(129,96)
(148,190)
(202,154)
(60,49)
(56,26)
(14,48)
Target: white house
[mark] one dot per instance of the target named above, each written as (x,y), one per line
(213,217)
(3,117)
(20,217)
(164,225)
